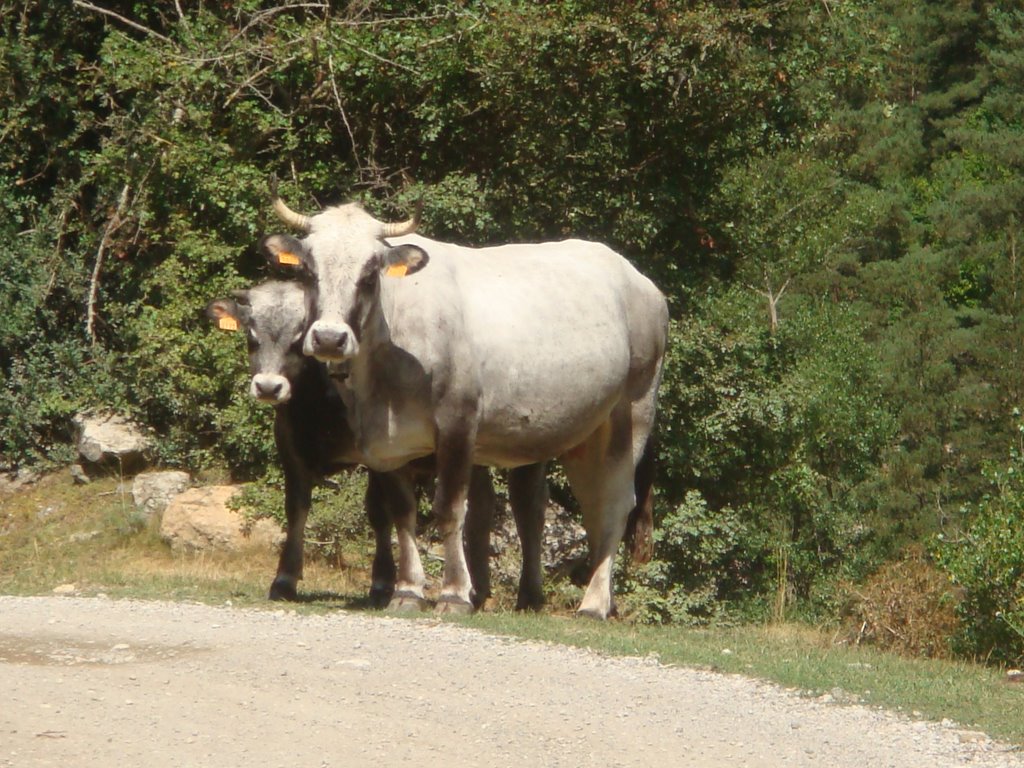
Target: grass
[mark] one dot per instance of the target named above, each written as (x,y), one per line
(57,533)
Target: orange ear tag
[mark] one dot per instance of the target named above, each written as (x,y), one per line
(397,270)
(286,257)
(227,323)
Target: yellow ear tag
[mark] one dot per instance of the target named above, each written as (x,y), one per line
(227,323)
(397,270)
(286,257)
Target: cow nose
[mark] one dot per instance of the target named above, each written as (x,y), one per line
(269,390)
(329,340)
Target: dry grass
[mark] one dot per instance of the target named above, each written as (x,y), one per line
(906,607)
(58,533)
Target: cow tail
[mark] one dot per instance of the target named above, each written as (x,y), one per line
(639,536)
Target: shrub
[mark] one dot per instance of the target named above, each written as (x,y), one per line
(907,606)
(986,561)
(693,565)
(337,524)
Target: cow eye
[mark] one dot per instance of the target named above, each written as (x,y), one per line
(367,281)
(250,337)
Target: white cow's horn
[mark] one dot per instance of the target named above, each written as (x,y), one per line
(287,215)
(399,228)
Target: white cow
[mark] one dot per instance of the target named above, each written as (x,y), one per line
(501,356)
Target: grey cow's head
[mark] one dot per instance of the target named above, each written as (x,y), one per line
(273,317)
(341,259)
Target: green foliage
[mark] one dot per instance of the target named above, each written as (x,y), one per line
(985,561)
(694,566)
(829,195)
(337,519)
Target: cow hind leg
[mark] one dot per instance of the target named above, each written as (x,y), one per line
(528,496)
(479,518)
(601,473)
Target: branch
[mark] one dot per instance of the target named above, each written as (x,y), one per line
(128,22)
(113,224)
(344,117)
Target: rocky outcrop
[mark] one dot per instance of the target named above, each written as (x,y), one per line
(199,519)
(153,491)
(103,437)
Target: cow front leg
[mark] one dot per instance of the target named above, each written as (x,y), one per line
(298,496)
(528,496)
(400,492)
(454,465)
(384,573)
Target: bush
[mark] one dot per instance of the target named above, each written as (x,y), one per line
(907,606)
(693,565)
(986,561)
(337,523)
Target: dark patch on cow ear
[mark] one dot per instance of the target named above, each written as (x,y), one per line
(404,260)
(226,313)
(284,252)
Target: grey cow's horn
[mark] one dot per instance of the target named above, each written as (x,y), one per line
(287,215)
(399,228)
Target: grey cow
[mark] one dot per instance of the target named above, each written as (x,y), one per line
(314,440)
(502,356)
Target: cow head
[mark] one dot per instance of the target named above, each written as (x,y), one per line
(341,257)
(273,318)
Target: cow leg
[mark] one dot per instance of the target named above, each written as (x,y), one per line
(454,467)
(528,496)
(298,496)
(601,473)
(400,492)
(383,575)
(479,519)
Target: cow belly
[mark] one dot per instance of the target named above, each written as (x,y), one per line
(522,430)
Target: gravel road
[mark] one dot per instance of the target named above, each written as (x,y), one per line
(96,682)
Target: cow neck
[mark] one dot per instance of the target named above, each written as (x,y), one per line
(374,338)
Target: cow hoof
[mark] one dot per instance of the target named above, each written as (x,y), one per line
(588,613)
(453,606)
(530,602)
(380,597)
(283,589)
(407,602)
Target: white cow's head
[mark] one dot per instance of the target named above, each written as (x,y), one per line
(341,259)
(273,317)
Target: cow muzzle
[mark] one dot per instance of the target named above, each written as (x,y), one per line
(270,388)
(330,343)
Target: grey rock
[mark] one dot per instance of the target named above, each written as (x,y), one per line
(153,491)
(104,437)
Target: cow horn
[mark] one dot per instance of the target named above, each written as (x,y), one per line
(399,228)
(287,215)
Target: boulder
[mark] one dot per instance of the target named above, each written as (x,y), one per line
(199,520)
(107,438)
(153,491)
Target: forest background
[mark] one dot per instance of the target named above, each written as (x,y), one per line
(829,192)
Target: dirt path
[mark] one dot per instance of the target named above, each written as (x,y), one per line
(94,682)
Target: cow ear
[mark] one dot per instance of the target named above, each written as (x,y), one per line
(225,313)
(403,260)
(285,252)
